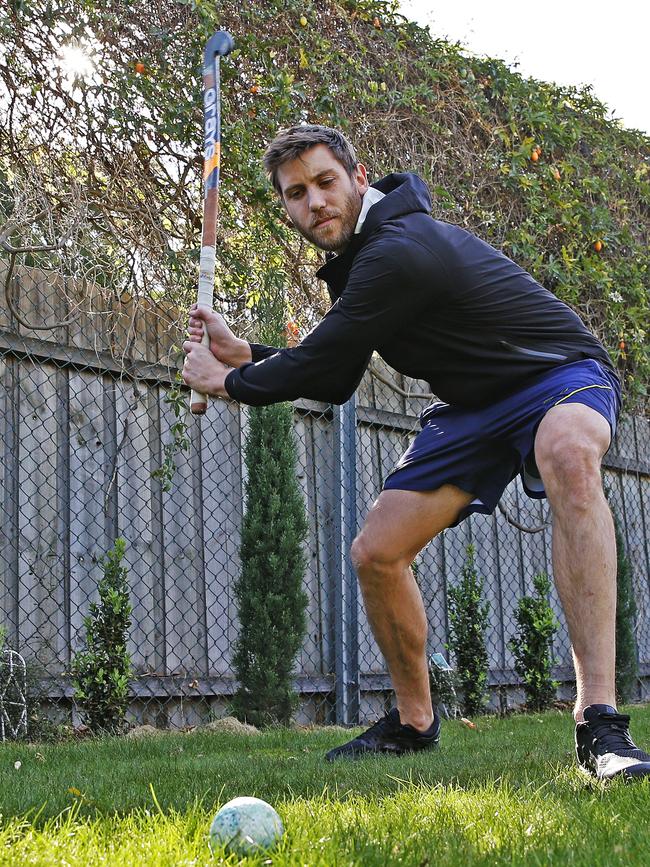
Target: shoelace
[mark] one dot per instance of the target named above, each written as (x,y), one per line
(611,732)
(384,725)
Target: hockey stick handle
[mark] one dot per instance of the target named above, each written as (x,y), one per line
(220,44)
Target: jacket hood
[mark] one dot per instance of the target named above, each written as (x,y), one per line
(404,193)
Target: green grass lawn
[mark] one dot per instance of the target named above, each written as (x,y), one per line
(507,793)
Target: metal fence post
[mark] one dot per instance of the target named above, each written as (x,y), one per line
(10,530)
(346,601)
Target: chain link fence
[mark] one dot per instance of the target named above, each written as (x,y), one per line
(83,429)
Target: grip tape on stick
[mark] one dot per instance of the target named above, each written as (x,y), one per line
(207,263)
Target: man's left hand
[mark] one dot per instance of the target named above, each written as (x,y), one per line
(203,372)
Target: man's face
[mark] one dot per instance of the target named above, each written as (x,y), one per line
(322,200)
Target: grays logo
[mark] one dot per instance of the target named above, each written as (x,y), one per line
(210,122)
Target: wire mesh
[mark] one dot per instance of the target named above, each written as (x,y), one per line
(83,429)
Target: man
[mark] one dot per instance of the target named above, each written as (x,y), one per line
(526,387)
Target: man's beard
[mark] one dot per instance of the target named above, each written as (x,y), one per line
(345,221)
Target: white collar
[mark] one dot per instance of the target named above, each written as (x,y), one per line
(370,198)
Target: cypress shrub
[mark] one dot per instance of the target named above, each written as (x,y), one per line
(532,646)
(269,589)
(627,668)
(468,619)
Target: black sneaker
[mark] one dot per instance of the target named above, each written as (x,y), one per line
(604,747)
(388,736)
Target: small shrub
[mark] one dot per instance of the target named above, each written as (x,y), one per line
(101,672)
(627,667)
(532,646)
(468,619)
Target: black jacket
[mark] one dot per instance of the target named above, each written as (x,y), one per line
(435,301)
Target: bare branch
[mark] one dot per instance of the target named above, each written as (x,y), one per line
(506,514)
(12,225)
(414,395)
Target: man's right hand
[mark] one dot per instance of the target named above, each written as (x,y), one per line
(224,345)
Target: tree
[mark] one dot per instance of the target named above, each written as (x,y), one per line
(270,596)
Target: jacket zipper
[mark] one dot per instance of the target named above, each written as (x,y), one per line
(533,353)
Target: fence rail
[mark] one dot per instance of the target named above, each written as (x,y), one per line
(82,429)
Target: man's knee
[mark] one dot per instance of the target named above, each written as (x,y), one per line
(370,557)
(365,553)
(569,464)
(401,523)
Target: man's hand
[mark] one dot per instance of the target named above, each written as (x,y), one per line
(223,343)
(202,371)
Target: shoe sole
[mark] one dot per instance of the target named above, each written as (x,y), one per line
(627,774)
(356,755)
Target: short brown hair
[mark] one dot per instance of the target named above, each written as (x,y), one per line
(291,143)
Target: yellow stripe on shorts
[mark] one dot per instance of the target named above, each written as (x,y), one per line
(584,388)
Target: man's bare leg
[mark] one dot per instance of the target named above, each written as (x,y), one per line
(570,444)
(398,526)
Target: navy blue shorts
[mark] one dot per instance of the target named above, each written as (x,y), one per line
(482,450)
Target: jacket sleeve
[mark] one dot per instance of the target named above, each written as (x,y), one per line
(260,351)
(387,288)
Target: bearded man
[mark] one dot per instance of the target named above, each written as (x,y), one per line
(524,388)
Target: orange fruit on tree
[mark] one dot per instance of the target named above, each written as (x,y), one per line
(598,246)
(140,67)
(556,174)
(255,88)
(534,156)
(293,334)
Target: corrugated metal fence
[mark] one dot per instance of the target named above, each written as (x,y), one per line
(83,423)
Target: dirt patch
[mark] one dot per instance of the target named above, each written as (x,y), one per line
(144,731)
(231,726)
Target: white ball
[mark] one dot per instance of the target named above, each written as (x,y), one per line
(245,825)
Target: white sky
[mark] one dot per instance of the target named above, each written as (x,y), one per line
(571,42)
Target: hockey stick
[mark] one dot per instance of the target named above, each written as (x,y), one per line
(219,45)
